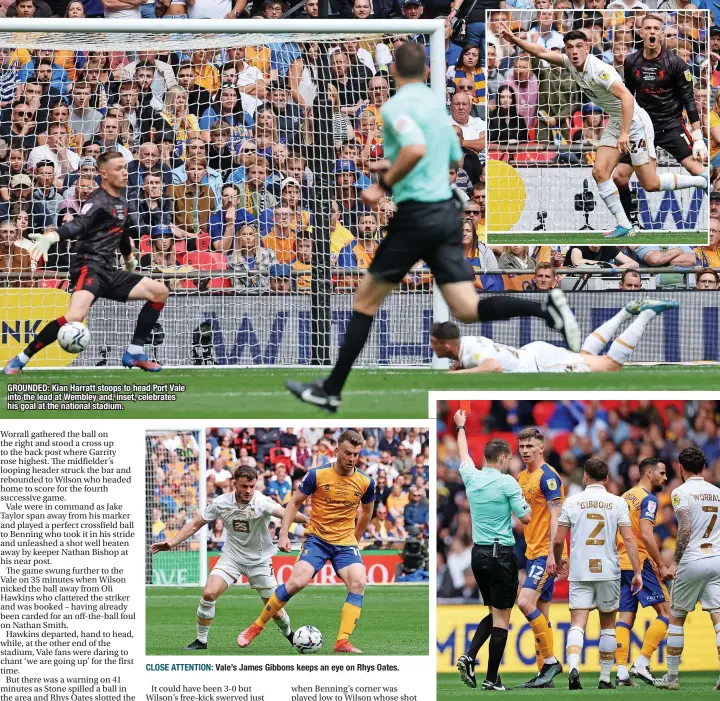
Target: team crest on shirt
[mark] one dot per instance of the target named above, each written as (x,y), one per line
(652,506)
(688,76)
(327,487)
(552,484)
(676,500)
(119,213)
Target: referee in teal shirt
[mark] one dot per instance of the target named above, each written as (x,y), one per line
(493,497)
(420,146)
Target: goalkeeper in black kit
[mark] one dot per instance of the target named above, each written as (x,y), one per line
(662,84)
(99,230)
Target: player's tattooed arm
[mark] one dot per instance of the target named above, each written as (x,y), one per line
(554,507)
(683,534)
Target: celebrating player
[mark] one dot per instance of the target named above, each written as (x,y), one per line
(629,129)
(544,492)
(331,535)
(697,558)
(642,504)
(662,84)
(594,517)
(480,354)
(248,549)
(100,228)
(421,146)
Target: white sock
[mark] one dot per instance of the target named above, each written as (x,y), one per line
(611,197)
(669,181)
(283,623)
(717,639)
(602,335)
(574,646)
(624,345)
(607,653)
(24,359)
(205,613)
(675,645)
(550,660)
(642,662)
(135,350)
(622,672)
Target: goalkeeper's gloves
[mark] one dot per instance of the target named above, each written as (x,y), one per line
(131,263)
(699,149)
(41,245)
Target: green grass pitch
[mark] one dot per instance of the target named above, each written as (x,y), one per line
(260,393)
(587,238)
(394,621)
(695,685)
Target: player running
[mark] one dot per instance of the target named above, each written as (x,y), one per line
(421,146)
(662,84)
(248,549)
(100,229)
(544,492)
(594,517)
(643,505)
(629,129)
(480,354)
(331,535)
(697,558)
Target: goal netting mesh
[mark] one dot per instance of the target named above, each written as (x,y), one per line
(543,131)
(246,156)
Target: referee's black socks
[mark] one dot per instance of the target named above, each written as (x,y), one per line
(498,638)
(482,633)
(504,307)
(356,335)
(626,200)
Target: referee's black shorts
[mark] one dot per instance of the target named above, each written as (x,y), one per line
(428,231)
(497,577)
(675,141)
(115,285)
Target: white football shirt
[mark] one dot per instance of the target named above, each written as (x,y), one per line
(247,539)
(594,517)
(702,500)
(475,349)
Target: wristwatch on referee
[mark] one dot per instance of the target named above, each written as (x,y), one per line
(459,428)
(383,184)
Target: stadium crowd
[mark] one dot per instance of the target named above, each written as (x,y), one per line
(396,458)
(621,432)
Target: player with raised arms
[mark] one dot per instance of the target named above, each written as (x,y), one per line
(100,229)
(662,84)
(593,517)
(696,564)
(248,548)
(421,146)
(629,129)
(480,354)
(643,505)
(544,491)
(338,490)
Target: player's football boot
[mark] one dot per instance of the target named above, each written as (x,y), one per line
(620,231)
(624,682)
(497,685)
(140,360)
(13,367)
(248,635)
(564,320)
(466,667)
(658,305)
(314,393)
(574,680)
(290,636)
(667,682)
(544,677)
(643,673)
(717,684)
(196,645)
(345,646)
(602,684)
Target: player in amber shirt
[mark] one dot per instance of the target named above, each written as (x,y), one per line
(643,505)
(544,492)
(332,534)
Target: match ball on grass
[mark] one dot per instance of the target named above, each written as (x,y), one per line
(74,337)
(307,640)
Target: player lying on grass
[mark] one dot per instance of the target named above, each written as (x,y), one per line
(248,549)
(595,518)
(480,354)
(338,490)
(629,129)
(662,84)
(100,229)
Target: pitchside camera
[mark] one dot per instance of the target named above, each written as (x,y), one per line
(585,202)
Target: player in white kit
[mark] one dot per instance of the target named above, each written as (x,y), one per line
(480,354)
(697,558)
(594,518)
(629,129)
(248,548)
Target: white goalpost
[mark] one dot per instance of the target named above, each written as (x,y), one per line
(248,143)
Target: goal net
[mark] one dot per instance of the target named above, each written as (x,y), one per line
(246,152)
(543,131)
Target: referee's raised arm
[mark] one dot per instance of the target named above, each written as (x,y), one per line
(493,497)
